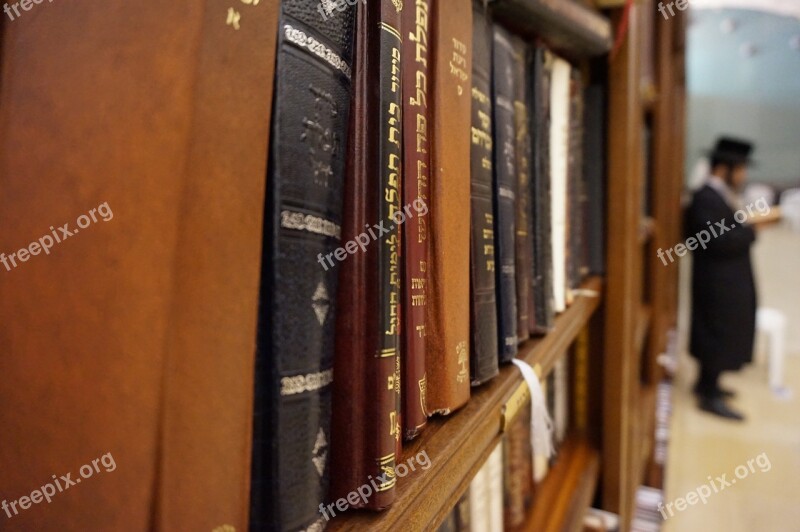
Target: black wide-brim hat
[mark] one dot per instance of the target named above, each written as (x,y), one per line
(733,151)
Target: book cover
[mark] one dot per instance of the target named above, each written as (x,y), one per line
(540,74)
(517,470)
(302,225)
(366,390)
(559,164)
(447,362)
(483,301)
(416,230)
(526,315)
(505,189)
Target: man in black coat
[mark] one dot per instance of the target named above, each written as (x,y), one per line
(723,288)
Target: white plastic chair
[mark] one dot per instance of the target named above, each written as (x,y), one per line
(772,324)
(790,208)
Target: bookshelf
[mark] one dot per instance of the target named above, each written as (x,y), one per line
(459,444)
(629,319)
(195,205)
(641,299)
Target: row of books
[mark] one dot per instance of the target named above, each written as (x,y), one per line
(502,492)
(434,199)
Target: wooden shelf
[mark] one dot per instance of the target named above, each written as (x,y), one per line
(565,494)
(457,445)
(570,28)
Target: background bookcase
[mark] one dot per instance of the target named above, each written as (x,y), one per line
(626,323)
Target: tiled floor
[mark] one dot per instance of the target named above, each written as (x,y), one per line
(766,499)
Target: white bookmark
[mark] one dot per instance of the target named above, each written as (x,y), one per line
(541,424)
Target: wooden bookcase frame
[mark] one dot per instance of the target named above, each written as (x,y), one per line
(641,299)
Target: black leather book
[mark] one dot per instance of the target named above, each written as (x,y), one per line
(575,194)
(524,242)
(483,298)
(594,164)
(505,185)
(303,215)
(542,253)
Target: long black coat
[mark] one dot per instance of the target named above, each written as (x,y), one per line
(723,289)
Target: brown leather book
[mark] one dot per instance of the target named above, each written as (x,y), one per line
(204,474)
(132,339)
(416,164)
(366,427)
(448,305)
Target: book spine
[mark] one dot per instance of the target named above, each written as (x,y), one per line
(389,171)
(561,399)
(302,225)
(575,184)
(505,185)
(579,409)
(541,463)
(518,470)
(366,393)
(559,164)
(495,487)
(478,501)
(524,243)
(483,302)
(543,263)
(594,176)
(416,164)
(447,362)
(225,170)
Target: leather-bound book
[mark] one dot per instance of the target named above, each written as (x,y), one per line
(542,241)
(447,362)
(517,470)
(208,396)
(302,228)
(594,175)
(505,187)
(526,316)
(366,402)
(483,302)
(575,194)
(416,230)
(128,347)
